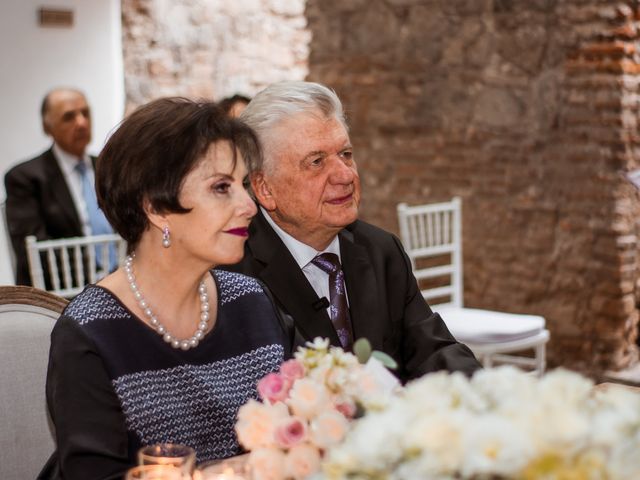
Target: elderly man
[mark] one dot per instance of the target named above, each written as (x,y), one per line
(52,195)
(336,276)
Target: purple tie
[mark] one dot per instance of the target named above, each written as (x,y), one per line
(330,264)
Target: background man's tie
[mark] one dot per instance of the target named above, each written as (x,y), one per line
(97,220)
(330,264)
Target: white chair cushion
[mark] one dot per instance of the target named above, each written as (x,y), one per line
(484,326)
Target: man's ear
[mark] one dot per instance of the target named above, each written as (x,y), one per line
(262,192)
(156,219)
(45,127)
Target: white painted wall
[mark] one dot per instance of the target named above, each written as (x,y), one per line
(34,59)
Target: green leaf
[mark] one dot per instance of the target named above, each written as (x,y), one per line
(362,349)
(385,359)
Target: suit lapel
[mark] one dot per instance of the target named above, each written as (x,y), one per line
(59,185)
(288,284)
(361,286)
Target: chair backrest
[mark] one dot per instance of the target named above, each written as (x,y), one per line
(431,235)
(5,226)
(64,266)
(27,316)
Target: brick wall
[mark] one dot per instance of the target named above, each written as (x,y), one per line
(211,48)
(528,111)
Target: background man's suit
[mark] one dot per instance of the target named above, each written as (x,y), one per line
(38,203)
(385,304)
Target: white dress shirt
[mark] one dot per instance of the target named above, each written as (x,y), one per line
(303,254)
(67,163)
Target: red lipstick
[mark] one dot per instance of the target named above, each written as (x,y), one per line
(241,231)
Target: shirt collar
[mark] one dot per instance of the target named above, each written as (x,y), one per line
(302,253)
(68,161)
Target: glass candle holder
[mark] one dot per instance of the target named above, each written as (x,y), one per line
(173,454)
(234,468)
(154,472)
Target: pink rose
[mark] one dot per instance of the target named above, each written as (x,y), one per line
(292,370)
(273,388)
(290,432)
(346,408)
(302,461)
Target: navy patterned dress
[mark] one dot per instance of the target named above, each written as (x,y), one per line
(114,385)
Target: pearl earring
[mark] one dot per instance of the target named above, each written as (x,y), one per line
(166,237)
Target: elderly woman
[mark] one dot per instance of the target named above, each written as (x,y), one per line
(164,349)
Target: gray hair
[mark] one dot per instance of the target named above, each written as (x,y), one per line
(282,100)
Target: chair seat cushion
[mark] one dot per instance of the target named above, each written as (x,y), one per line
(25,437)
(485,326)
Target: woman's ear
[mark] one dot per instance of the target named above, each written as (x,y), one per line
(156,219)
(262,191)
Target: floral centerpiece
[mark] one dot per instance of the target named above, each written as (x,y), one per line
(501,424)
(326,416)
(307,407)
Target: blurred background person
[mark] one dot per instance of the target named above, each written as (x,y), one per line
(234,105)
(165,349)
(53,195)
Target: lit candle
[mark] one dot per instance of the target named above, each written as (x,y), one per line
(227,474)
(217,474)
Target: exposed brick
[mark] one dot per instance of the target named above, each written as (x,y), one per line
(211,48)
(615,49)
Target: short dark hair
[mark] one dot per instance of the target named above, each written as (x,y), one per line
(44,106)
(151,153)
(226,104)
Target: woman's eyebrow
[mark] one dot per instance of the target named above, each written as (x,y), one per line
(219,175)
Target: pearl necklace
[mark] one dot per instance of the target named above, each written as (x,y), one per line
(186,344)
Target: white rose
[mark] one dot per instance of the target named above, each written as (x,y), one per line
(266,464)
(494,445)
(622,461)
(320,372)
(369,441)
(257,422)
(337,378)
(618,412)
(328,428)
(442,391)
(562,387)
(308,398)
(439,437)
(301,461)
(504,388)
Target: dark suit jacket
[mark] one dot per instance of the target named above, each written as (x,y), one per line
(38,203)
(385,303)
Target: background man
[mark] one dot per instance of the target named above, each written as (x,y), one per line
(52,195)
(307,244)
(234,105)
